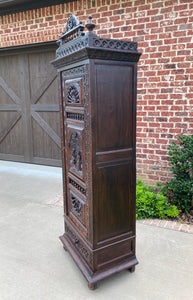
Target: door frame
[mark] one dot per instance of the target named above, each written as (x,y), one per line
(28,48)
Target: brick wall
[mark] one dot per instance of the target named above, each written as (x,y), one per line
(164,32)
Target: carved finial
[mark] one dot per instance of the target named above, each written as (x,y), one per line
(71,23)
(90,25)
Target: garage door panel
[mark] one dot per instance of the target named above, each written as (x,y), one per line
(40,70)
(29,109)
(4,97)
(10,74)
(43,143)
(50,118)
(46,127)
(40,94)
(48,96)
(11,138)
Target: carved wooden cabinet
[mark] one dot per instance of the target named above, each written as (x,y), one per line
(97,86)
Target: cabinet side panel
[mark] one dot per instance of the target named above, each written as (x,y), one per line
(114,107)
(114,158)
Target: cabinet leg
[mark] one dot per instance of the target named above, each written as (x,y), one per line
(92,286)
(132,269)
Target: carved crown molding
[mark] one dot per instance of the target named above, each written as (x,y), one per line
(75,45)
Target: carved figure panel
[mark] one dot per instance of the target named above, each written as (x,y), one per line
(73,91)
(75,152)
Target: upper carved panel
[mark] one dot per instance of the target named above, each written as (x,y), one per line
(73,95)
(73,91)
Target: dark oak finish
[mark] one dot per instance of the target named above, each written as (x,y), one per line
(97,87)
(29,109)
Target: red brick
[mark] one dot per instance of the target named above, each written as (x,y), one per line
(118,12)
(170,41)
(169,54)
(165,35)
(171,28)
(143,20)
(179,33)
(181,21)
(181,7)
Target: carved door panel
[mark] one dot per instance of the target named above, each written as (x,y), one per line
(76,151)
(29,109)
(74,97)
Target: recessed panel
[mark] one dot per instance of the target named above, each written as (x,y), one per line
(114,107)
(114,200)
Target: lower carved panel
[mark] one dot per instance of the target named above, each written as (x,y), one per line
(84,251)
(77,210)
(77,206)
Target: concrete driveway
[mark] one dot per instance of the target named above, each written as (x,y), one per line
(33,264)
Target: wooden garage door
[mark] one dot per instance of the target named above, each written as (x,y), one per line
(29,109)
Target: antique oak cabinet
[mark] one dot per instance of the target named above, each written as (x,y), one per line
(97,86)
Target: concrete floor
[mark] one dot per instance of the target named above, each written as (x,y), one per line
(33,264)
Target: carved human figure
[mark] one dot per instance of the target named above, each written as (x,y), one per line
(76,153)
(71,23)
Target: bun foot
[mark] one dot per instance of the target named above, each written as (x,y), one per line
(132,269)
(92,286)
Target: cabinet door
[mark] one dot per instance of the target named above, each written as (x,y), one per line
(75,156)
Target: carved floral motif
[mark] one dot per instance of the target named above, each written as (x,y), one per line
(73,91)
(73,95)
